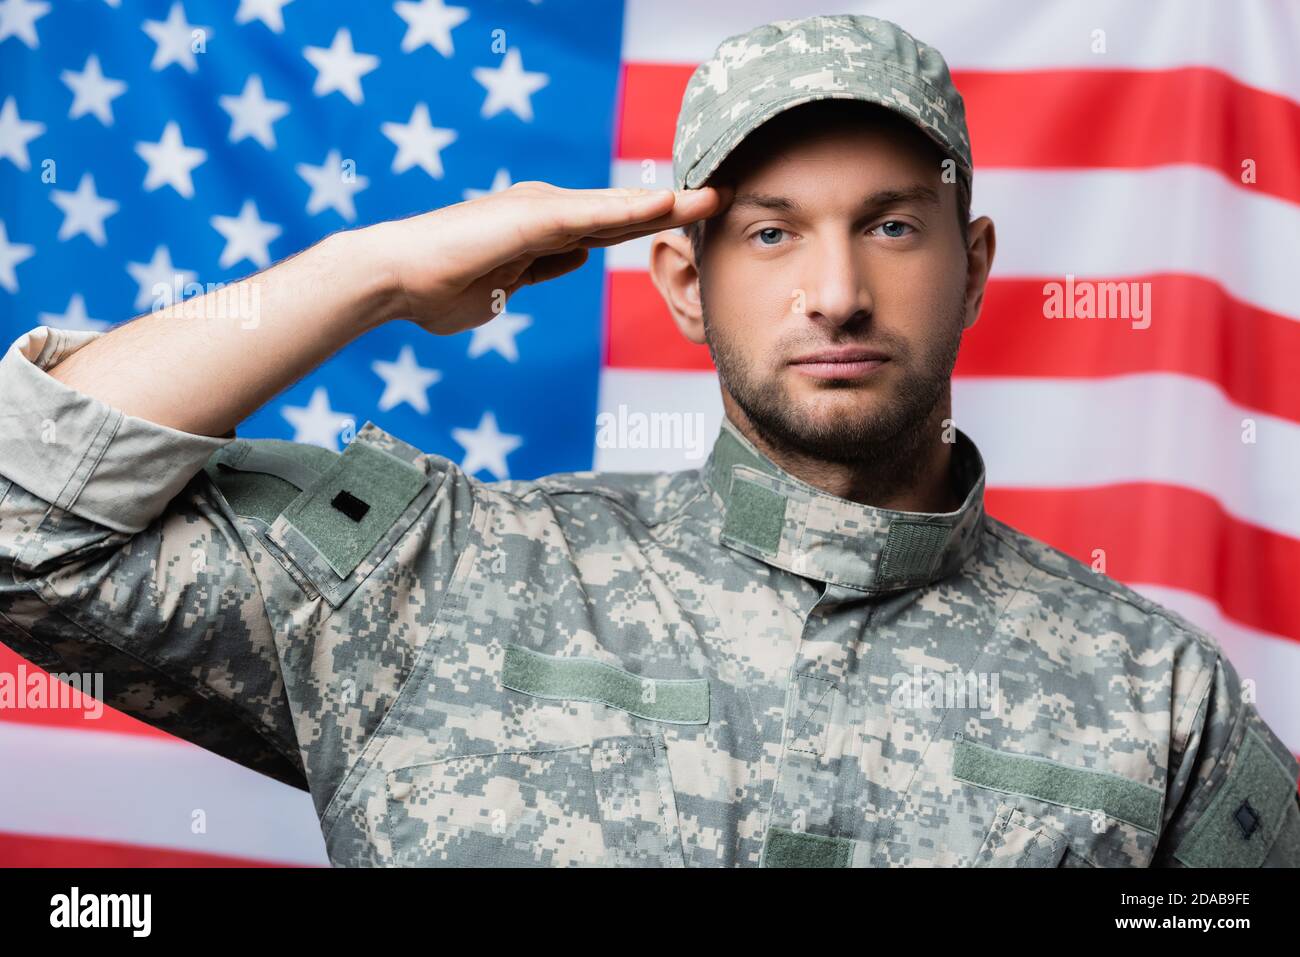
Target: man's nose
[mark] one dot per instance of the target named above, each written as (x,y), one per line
(836,290)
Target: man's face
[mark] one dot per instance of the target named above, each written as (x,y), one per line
(843,239)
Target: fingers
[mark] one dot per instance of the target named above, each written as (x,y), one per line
(613,238)
(534,220)
(690,206)
(592,242)
(549,267)
(576,213)
(619,212)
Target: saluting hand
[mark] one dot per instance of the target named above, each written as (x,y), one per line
(453,268)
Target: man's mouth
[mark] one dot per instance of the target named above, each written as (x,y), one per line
(844,363)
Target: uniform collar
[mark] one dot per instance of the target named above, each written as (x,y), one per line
(781,520)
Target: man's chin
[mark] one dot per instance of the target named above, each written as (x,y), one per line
(824,409)
(834,419)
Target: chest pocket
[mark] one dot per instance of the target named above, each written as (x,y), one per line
(581,777)
(1051,814)
(609,803)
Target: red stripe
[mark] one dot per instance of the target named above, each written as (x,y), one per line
(647,113)
(75,718)
(1167,535)
(1197,329)
(22,850)
(1042,119)
(640,332)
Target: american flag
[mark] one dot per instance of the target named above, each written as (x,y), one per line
(151,147)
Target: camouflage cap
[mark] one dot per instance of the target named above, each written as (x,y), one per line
(756,75)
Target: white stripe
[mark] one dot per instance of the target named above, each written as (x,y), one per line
(1270,661)
(1168,219)
(688,394)
(1250,39)
(1054,433)
(1155,427)
(132,789)
(1111,223)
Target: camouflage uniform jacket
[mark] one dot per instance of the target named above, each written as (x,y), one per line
(719,666)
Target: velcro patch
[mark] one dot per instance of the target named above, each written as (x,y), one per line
(671,700)
(261,477)
(1239,826)
(755,515)
(786,848)
(1083,788)
(340,524)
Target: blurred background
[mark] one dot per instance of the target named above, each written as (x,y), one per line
(150,147)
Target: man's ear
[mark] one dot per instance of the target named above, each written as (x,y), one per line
(672,269)
(980,246)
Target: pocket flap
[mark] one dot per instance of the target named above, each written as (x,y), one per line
(1018,840)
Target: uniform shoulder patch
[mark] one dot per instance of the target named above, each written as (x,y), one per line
(260,477)
(345,510)
(1242,822)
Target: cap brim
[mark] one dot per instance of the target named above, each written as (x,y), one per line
(713,158)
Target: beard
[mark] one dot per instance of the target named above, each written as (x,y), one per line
(888,436)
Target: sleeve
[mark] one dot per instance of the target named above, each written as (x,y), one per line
(115,560)
(1232,799)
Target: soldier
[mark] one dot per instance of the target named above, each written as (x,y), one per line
(816,649)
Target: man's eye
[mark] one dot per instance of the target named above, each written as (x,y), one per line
(766,233)
(892,225)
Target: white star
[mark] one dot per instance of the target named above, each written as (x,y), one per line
(418,142)
(11,254)
(175,39)
(84,211)
(499,182)
(270,12)
(74,318)
(509,86)
(160,283)
(170,161)
(429,21)
(92,91)
(252,114)
(316,423)
(16,133)
(340,67)
(333,185)
(499,334)
(405,381)
(18,19)
(485,447)
(246,237)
